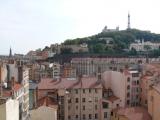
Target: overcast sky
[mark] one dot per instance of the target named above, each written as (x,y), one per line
(30,24)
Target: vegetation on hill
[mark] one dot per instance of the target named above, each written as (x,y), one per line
(119,41)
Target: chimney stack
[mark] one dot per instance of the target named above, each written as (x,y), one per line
(12,82)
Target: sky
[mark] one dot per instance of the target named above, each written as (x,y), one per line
(31,24)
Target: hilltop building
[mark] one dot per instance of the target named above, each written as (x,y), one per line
(105,29)
(141,46)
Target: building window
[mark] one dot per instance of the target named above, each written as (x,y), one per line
(128,79)
(115,69)
(151,98)
(76,100)
(128,87)
(96,116)
(83,90)
(83,100)
(137,89)
(135,75)
(69,101)
(84,116)
(96,107)
(105,105)
(76,91)
(69,117)
(90,116)
(76,107)
(136,96)
(111,113)
(128,102)
(96,91)
(89,90)
(110,68)
(128,94)
(145,101)
(105,114)
(96,99)
(137,82)
(83,107)
(76,116)
(117,105)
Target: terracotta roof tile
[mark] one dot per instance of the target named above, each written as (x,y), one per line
(17,86)
(85,82)
(112,98)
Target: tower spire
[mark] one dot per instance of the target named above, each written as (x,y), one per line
(10,52)
(129,26)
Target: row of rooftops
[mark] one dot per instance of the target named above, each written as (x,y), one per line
(7,92)
(64,83)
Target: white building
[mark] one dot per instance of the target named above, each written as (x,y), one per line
(105,29)
(140,46)
(9,110)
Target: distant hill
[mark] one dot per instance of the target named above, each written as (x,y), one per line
(114,42)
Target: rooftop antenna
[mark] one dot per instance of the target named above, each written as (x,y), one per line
(129,24)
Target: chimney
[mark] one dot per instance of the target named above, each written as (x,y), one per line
(12,86)
(12,82)
(99,75)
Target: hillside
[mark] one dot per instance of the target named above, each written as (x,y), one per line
(114,42)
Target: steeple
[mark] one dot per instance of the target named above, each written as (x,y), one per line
(129,26)
(10,52)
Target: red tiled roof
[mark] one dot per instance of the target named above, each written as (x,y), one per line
(157,87)
(17,86)
(112,98)
(85,82)
(7,93)
(145,77)
(47,101)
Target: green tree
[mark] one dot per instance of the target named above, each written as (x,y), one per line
(133,51)
(147,47)
(99,48)
(66,50)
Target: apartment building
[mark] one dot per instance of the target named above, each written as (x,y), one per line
(79,99)
(90,66)
(16,85)
(56,70)
(15,93)
(39,70)
(154,101)
(150,77)
(68,71)
(140,46)
(56,48)
(25,83)
(125,85)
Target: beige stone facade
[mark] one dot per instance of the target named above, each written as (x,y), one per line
(44,113)
(154,101)
(131,113)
